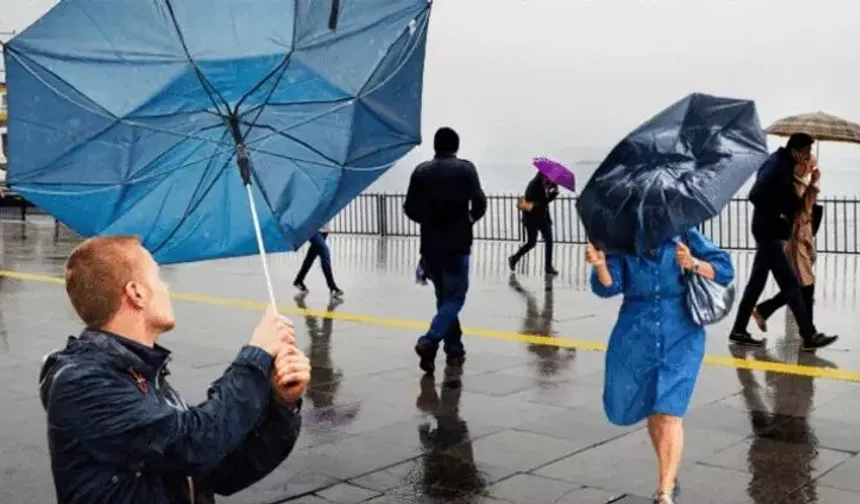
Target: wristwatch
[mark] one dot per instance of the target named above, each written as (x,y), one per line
(695,268)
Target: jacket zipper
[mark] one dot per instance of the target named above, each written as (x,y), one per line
(159,376)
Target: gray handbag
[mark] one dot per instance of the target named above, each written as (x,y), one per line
(707,301)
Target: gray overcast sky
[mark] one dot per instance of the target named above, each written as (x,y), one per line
(573,76)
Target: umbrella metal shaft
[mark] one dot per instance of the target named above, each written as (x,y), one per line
(262,247)
(244,162)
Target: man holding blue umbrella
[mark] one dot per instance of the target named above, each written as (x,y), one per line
(118,432)
(776,205)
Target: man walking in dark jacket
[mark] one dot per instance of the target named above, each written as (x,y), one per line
(445,198)
(776,204)
(118,432)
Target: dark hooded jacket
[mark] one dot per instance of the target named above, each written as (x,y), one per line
(119,433)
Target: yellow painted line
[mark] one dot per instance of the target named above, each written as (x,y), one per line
(414,325)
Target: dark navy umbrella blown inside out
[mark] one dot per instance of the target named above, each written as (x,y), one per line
(675,171)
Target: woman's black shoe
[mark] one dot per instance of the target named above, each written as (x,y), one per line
(745,339)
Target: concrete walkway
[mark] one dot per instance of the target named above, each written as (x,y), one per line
(521,422)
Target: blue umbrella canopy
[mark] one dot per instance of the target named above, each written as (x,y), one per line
(675,171)
(155,118)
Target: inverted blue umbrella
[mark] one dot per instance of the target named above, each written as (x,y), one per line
(677,170)
(132,117)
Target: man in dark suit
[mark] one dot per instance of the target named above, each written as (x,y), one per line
(775,206)
(445,198)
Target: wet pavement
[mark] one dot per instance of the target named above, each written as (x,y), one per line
(521,422)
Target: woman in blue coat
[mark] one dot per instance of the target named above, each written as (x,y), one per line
(656,349)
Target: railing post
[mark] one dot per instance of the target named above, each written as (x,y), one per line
(381,214)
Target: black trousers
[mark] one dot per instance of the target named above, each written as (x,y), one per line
(770,257)
(770,306)
(543,227)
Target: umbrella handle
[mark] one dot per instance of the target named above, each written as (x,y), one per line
(261,247)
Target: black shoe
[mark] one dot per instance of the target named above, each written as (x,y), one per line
(301,287)
(818,341)
(744,338)
(550,271)
(512,263)
(427,356)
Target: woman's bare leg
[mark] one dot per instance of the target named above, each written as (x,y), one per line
(667,435)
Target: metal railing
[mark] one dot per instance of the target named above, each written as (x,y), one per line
(382,215)
(14,207)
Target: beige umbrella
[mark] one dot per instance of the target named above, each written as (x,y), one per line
(818,125)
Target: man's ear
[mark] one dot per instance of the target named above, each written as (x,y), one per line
(135,293)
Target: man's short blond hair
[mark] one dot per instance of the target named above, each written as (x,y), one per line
(97,272)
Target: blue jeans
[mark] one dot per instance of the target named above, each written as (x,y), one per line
(450,277)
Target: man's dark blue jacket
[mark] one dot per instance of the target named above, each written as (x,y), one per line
(118,433)
(773,197)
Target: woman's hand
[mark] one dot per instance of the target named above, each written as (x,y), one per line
(816,175)
(595,257)
(683,256)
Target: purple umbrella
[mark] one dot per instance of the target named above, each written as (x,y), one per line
(556,172)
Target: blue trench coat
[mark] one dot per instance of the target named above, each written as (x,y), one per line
(655,350)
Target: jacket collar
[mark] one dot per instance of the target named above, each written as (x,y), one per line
(127,354)
(784,156)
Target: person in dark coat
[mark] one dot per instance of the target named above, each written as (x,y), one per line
(801,247)
(445,198)
(539,194)
(776,204)
(118,432)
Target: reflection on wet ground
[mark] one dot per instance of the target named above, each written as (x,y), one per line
(519,422)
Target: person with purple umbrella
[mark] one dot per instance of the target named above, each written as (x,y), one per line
(540,192)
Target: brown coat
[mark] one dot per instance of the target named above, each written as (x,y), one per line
(801,247)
